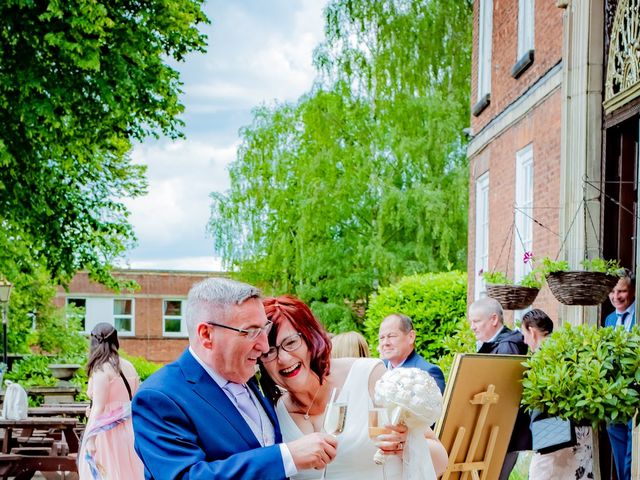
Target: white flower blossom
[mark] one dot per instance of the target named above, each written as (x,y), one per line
(410,394)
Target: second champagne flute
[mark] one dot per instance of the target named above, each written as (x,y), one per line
(378,418)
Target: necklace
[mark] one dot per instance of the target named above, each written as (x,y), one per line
(306,414)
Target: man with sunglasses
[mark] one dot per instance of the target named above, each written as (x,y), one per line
(203,417)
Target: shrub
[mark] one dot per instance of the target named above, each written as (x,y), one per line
(585,373)
(462,341)
(436,302)
(143,366)
(32,371)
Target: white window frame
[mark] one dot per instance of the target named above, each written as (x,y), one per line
(526,32)
(132,316)
(482,234)
(485,41)
(86,301)
(181,317)
(523,212)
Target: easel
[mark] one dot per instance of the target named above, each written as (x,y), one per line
(469,466)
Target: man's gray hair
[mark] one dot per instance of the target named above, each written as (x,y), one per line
(214,296)
(406,325)
(488,306)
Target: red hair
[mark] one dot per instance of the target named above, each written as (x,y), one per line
(287,307)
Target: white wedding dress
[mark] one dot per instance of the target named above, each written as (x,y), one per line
(354,460)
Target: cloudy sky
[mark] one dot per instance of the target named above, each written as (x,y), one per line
(259,52)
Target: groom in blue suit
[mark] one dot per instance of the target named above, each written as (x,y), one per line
(622,297)
(203,416)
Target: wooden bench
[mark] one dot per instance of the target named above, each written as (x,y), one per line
(8,462)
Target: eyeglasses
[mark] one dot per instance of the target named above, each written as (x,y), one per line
(250,333)
(289,344)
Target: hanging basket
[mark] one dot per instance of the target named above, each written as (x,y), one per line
(581,288)
(512,297)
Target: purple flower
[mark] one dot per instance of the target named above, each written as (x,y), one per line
(527,256)
(480,272)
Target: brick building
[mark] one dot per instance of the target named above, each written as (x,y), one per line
(150,321)
(553,141)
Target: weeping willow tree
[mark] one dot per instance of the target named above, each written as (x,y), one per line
(363,180)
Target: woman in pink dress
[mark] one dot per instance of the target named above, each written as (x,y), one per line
(107,450)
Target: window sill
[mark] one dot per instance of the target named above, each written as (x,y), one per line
(521,65)
(481,105)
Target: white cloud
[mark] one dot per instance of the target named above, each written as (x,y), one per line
(259,52)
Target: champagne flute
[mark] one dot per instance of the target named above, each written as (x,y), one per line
(378,418)
(335,416)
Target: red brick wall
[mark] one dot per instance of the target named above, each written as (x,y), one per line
(155,286)
(541,127)
(548,52)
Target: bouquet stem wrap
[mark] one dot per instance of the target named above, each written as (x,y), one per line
(411,396)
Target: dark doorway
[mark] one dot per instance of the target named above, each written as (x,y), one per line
(620,192)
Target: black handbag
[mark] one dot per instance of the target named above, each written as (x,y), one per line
(549,434)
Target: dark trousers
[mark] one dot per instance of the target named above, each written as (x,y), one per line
(620,439)
(510,460)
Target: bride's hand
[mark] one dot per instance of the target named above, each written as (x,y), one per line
(392,443)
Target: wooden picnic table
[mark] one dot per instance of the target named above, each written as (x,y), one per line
(56,446)
(60,410)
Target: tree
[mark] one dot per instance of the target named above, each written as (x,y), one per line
(81,80)
(363,180)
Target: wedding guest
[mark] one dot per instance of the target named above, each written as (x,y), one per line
(486,319)
(349,344)
(396,344)
(203,416)
(299,375)
(572,462)
(623,298)
(107,444)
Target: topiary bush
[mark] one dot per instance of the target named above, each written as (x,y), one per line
(586,374)
(436,302)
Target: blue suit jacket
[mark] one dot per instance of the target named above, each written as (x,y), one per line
(186,427)
(612,318)
(416,361)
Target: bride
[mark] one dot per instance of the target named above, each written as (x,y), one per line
(299,376)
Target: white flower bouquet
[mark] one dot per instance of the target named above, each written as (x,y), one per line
(411,396)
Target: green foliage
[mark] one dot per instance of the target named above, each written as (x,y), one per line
(435,302)
(496,278)
(585,373)
(143,366)
(59,334)
(335,318)
(32,371)
(81,80)
(463,340)
(610,267)
(533,279)
(364,179)
(552,266)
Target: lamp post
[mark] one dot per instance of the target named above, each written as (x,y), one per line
(5,292)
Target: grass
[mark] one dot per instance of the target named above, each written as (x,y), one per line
(521,470)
